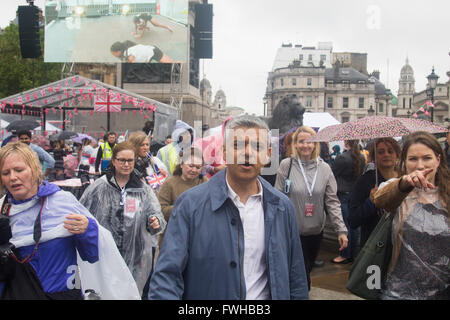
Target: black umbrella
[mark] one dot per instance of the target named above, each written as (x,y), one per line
(20,125)
(64,135)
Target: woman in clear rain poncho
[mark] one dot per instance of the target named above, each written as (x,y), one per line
(419,267)
(51,247)
(127,207)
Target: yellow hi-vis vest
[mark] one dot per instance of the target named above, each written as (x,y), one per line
(170,157)
(106,151)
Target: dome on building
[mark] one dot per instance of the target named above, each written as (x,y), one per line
(205,83)
(407,69)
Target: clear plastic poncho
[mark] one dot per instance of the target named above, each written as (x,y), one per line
(125,215)
(419,267)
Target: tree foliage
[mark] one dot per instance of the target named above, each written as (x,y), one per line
(18,74)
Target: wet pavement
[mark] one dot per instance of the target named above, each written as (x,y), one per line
(328,282)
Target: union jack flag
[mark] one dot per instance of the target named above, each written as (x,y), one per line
(156,180)
(104,102)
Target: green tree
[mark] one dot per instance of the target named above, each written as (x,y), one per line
(18,74)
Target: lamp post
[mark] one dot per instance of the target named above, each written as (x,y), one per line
(408,113)
(432,83)
(371,111)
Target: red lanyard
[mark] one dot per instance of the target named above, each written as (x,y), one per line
(37,231)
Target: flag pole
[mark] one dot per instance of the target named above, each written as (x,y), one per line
(108,115)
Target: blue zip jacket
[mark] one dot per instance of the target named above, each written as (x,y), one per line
(55,261)
(202,253)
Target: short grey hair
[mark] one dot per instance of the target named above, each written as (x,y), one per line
(247,121)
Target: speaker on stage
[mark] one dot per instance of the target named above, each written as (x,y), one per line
(203,31)
(30,43)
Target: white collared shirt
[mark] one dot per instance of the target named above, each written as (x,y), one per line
(252,217)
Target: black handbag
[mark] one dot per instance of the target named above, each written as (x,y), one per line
(369,270)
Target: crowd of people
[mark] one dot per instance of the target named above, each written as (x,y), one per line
(193,222)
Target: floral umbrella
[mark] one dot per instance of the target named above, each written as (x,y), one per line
(373,127)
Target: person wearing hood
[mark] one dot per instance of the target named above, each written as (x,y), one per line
(336,151)
(211,147)
(42,231)
(182,137)
(129,209)
(309,182)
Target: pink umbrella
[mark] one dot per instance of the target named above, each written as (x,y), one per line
(373,127)
(376,127)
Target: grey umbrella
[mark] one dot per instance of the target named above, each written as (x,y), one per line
(19,125)
(64,135)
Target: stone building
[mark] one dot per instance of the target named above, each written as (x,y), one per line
(409,102)
(357,61)
(342,91)
(406,90)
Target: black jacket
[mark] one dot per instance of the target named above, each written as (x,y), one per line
(362,212)
(343,171)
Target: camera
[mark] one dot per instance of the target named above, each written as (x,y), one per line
(6,250)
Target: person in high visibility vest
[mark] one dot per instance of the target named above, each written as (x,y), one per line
(104,152)
(182,137)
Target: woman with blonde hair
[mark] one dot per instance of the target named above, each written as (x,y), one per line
(146,165)
(46,235)
(309,182)
(419,198)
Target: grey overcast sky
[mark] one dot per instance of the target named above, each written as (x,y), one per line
(247,34)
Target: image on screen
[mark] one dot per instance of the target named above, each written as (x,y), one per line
(113,31)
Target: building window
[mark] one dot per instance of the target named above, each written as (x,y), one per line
(345,102)
(330,102)
(301,57)
(404,103)
(345,119)
(380,107)
(308,101)
(281,82)
(361,103)
(308,81)
(309,57)
(410,103)
(294,81)
(323,57)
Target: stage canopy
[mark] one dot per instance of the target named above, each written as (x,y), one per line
(76,94)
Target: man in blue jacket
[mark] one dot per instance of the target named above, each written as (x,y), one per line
(234,237)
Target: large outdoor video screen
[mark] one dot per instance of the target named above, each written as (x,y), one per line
(112,31)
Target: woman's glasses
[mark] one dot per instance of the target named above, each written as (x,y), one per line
(123,161)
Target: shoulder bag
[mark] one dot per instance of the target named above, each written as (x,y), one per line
(369,270)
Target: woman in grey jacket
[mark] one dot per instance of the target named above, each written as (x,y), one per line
(310,184)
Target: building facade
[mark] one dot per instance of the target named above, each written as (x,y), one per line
(410,102)
(343,92)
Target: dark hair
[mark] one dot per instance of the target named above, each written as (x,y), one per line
(193,152)
(22,132)
(442,174)
(122,46)
(169,136)
(107,134)
(391,141)
(356,156)
(136,19)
